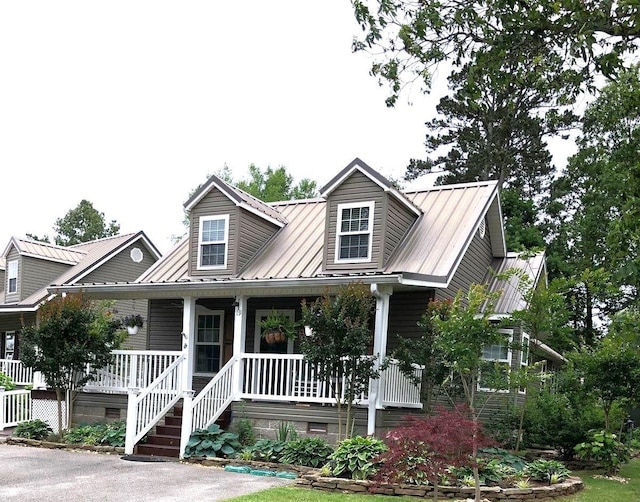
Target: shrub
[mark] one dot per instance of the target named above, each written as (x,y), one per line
(309,451)
(268,450)
(605,449)
(7,382)
(212,442)
(246,434)
(547,470)
(33,429)
(357,457)
(111,434)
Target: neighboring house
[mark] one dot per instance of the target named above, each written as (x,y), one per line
(243,258)
(28,267)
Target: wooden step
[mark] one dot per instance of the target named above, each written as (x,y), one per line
(159,439)
(158,450)
(168,430)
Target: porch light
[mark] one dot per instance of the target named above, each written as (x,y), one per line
(236,306)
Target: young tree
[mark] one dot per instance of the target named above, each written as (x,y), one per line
(338,345)
(276,184)
(72,341)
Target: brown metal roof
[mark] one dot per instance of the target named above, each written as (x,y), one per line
(46,251)
(512,299)
(431,251)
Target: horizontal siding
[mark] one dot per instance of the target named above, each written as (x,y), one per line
(405,311)
(38,274)
(356,188)
(165,324)
(472,269)
(213,204)
(291,412)
(139,341)
(253,234)
(398,223)
(121,268)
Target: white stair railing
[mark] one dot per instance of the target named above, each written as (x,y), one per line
(19,373)
(15,407)
(147,406)
(211,401)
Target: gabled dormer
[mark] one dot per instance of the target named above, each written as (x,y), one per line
(366,219)
(32,265)
(227,228)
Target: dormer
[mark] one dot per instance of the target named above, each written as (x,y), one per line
(227,228)
(366,219)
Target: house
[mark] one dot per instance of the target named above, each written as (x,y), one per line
(243,258)
(28,267)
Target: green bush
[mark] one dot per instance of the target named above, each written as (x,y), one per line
(551,471)
(111,434)
(246,434)
(33,429)
(267,450)
(212,442)
(356,457)
(7,382)
(309,451)
(605,448)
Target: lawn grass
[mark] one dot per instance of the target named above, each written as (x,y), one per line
(595,490)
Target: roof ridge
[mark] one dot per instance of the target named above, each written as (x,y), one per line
(50,245)
(101,239)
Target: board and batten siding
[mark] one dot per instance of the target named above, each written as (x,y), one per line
(253,233)
(215,203)
(121,268)
(37,274)
(356,188)
(164,325)
(472,269)
(396,225)
(13,255)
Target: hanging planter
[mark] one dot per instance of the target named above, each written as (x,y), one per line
(278,328)
(133,322)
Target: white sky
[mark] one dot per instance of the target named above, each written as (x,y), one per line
(131,104)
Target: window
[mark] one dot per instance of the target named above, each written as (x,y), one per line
(354,232)
(12,276)
(524,357)
(208,345)
(496,365)
(213,240)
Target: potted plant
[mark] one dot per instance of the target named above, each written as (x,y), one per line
(133,322)
(278,328)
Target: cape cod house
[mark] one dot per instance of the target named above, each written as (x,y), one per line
(243,258)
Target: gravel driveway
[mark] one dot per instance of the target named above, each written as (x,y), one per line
(31,474)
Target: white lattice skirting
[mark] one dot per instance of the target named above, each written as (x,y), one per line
(47,410)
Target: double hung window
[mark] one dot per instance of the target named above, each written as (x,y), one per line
(12,276)
(354,232)
(213,242)
(208,346)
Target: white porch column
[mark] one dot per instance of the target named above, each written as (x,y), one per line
(382,295)
(239,343)
(188,340)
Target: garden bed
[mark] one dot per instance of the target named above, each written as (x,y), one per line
(63,446)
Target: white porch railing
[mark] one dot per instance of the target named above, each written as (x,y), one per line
(397,389)
(145,408)
(19,373)
(132,368)
(288,377)
(211,401)
(15,407)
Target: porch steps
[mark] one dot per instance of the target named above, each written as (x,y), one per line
(165,440)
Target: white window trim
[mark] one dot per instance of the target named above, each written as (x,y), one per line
(13,264)
(340,233)
(507,360)
(224,217)
(290,313)
(525,340)
(205,311)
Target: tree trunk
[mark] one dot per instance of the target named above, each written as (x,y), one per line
(59,399)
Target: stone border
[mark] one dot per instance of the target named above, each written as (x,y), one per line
(538,493)
(63,446)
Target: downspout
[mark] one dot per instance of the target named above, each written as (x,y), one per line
(379,351)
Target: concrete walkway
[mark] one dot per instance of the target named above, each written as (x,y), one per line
(30,474)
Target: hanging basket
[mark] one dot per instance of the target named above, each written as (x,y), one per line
(274,336)
(133,330)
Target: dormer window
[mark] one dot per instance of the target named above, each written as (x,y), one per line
(12,276)
(213,241)
(354,232)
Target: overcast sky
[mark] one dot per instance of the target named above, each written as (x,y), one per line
(131,104)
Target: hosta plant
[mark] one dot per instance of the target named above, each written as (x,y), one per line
(33,429)
(212,442)
(268,450)
(357,457)
(308,451)
(544,470)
